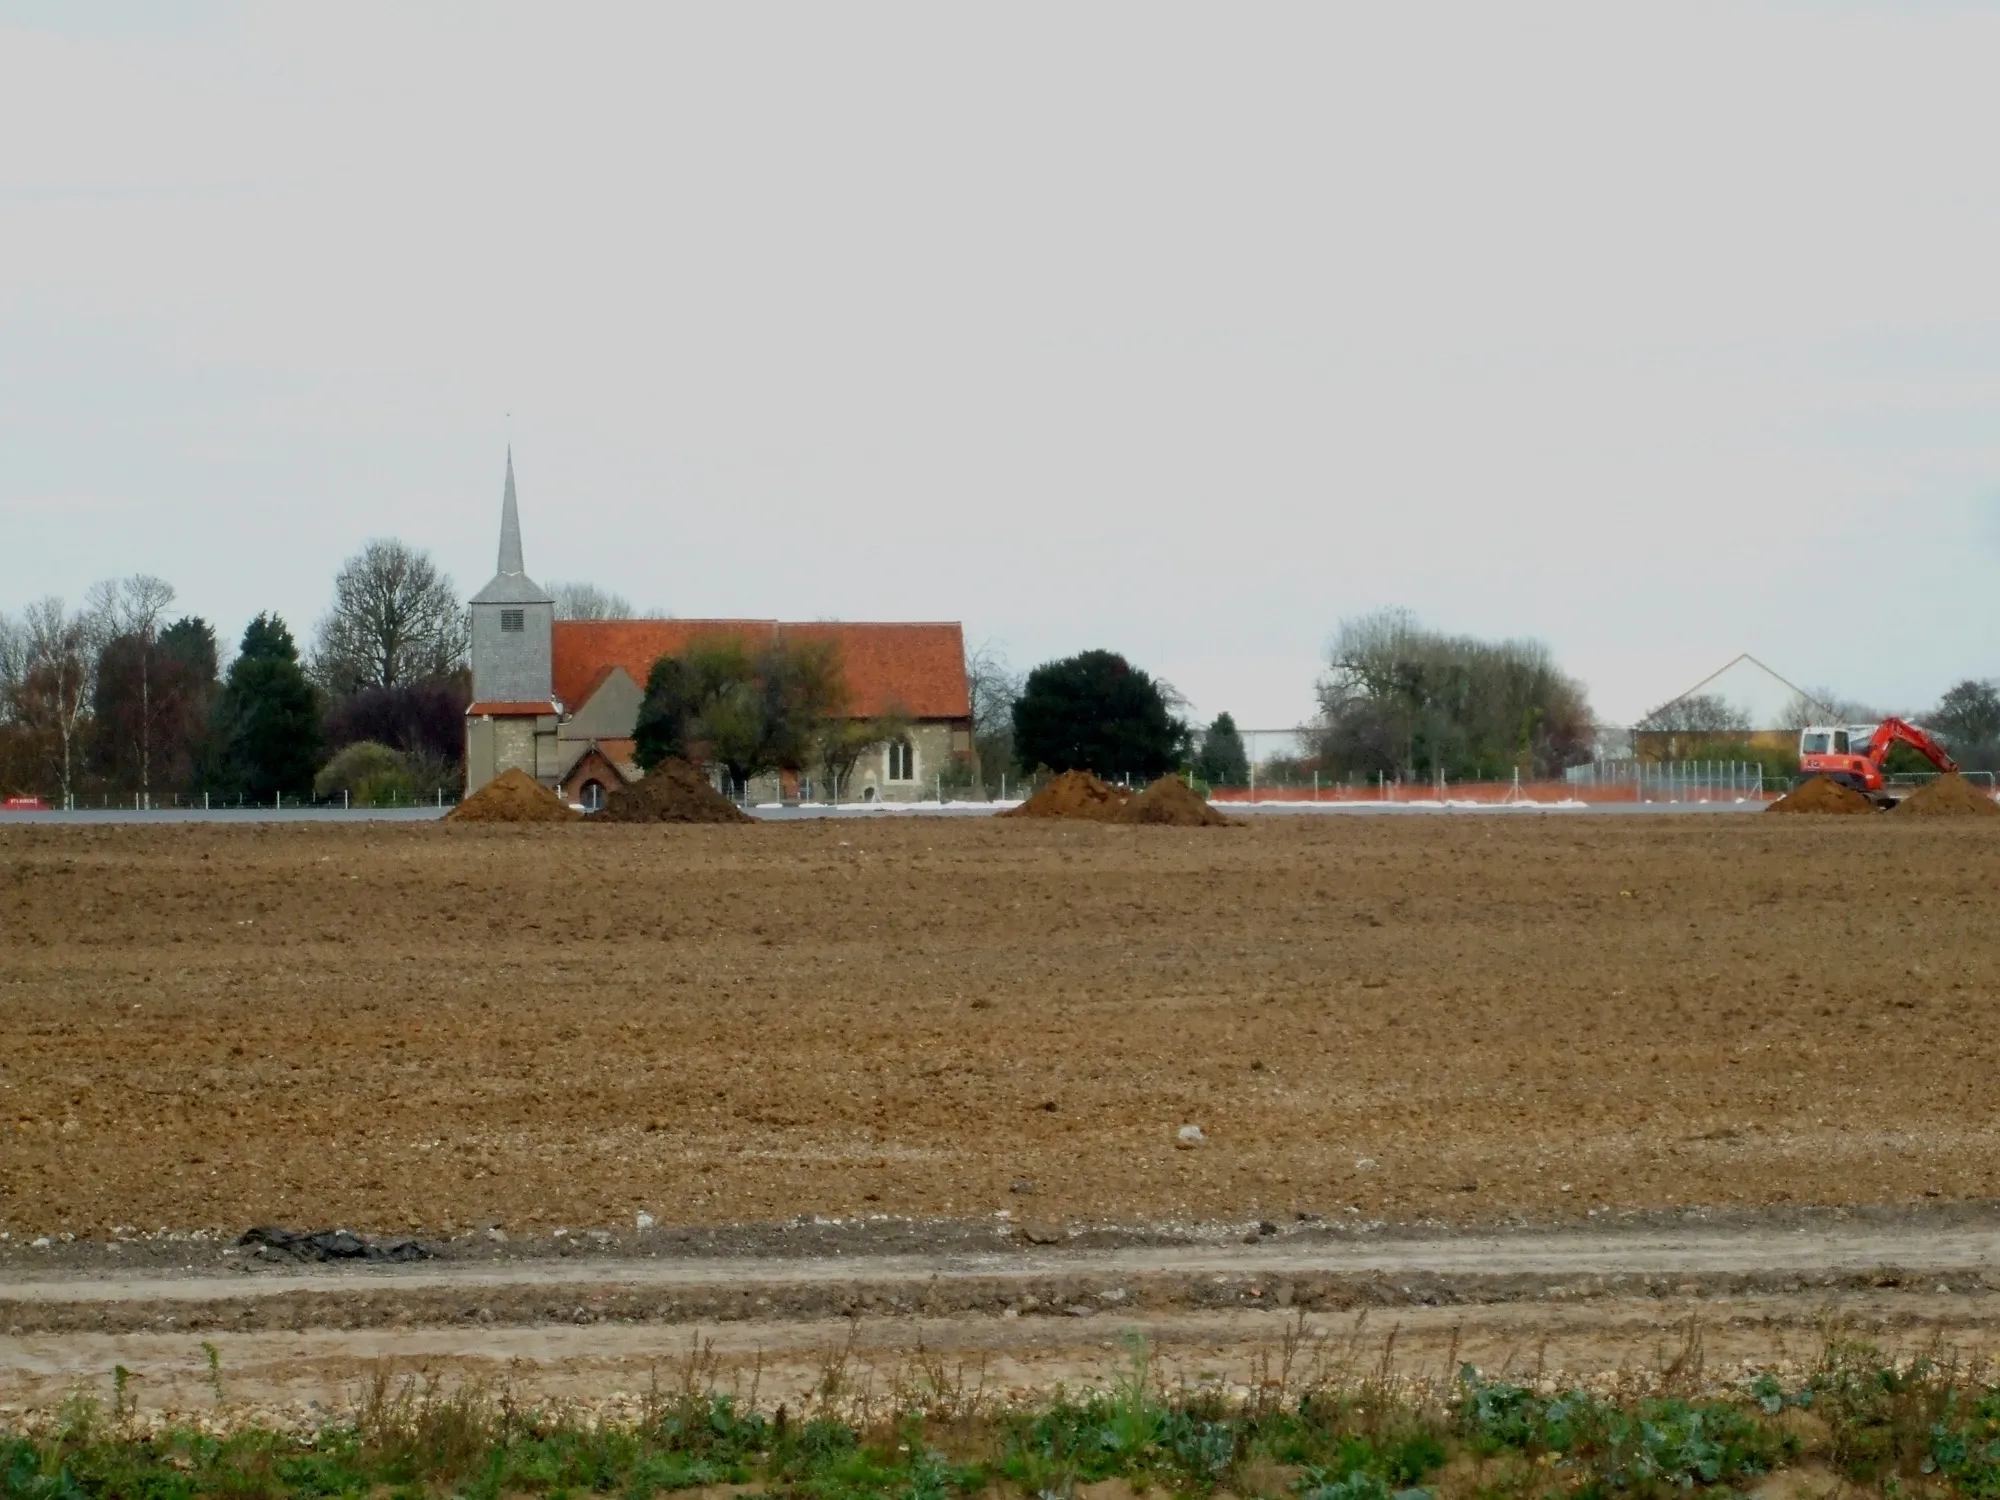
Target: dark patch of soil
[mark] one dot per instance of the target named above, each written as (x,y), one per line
(1950,796)
(1821,795)
(673,792)
(1074,794)
(1173,802)
(513,797)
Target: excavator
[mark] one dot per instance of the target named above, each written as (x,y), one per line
(1853,754)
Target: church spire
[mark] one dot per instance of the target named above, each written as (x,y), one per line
(510,526)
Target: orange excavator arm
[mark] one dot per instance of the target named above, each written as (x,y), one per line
(1897,732)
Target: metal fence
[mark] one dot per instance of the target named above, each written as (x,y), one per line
(1674,780)
(215,802)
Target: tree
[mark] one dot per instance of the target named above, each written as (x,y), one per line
(51,679)
(720,702)
(1968,714)
(125,613)
(420,718)
(149,714)
(1697,713)
(269,715)
(395,620)
(993,687)
(841,742)
(190,656)
(1095,712)
(1399,699)
(1967,718)
(21,762)
(1222,761)
(586,601)
(368,774)
(1822,705)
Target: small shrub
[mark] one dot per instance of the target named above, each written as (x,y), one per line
(364,770)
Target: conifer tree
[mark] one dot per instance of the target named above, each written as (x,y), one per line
(270,716)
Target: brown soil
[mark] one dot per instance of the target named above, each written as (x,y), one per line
(1951,796)
(513,797)
(1820,795)
(1074,794)
(673,792)
(390,1026)
(1171,801)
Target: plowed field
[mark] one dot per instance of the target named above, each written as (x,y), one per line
(432,1027)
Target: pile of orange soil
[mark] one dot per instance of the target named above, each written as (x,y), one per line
(1074,794)
(1950,796)
(1172,801)
(1821,795)
(513,797)
(672,792)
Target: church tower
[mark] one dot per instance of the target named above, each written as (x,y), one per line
(512,721)
(513,620)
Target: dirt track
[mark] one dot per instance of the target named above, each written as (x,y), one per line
(1010,1323)
(1468,1019)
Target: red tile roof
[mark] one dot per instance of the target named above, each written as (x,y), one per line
(528,710)
(919,669)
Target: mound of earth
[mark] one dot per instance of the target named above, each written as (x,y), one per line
(1821,795)
(513,797)
(672,792)
(1950,796)
(1172,801)
(1074,794)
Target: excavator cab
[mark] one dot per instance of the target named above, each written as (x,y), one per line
(1822,740)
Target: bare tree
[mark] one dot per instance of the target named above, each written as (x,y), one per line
(13,662)
(132,607)
(1696,713)
(1400,699)
(1822,705)
(994,687)
(54,668)
(395,620)
(586,601)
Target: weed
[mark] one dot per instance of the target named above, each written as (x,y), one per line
(214,1359)
(1349,1429)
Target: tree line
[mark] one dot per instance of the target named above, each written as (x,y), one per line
(1965,719)
(122,696)
(1396,700)
(119,696)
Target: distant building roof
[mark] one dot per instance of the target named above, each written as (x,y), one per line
(1763,699)
(917,668)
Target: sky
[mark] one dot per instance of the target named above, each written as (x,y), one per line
(1657,333)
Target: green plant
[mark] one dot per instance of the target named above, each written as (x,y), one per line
(209,1353)
(1096,712)
(360,768)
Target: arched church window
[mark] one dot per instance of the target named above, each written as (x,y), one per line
(902,761)
(592,796)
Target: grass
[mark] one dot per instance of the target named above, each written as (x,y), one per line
(1905,1430)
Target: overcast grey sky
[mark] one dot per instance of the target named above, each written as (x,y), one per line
(1658,333)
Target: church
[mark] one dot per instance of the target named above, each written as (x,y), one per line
(560,699)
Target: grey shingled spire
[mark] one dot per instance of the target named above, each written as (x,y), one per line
(511,585)
(510,525)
